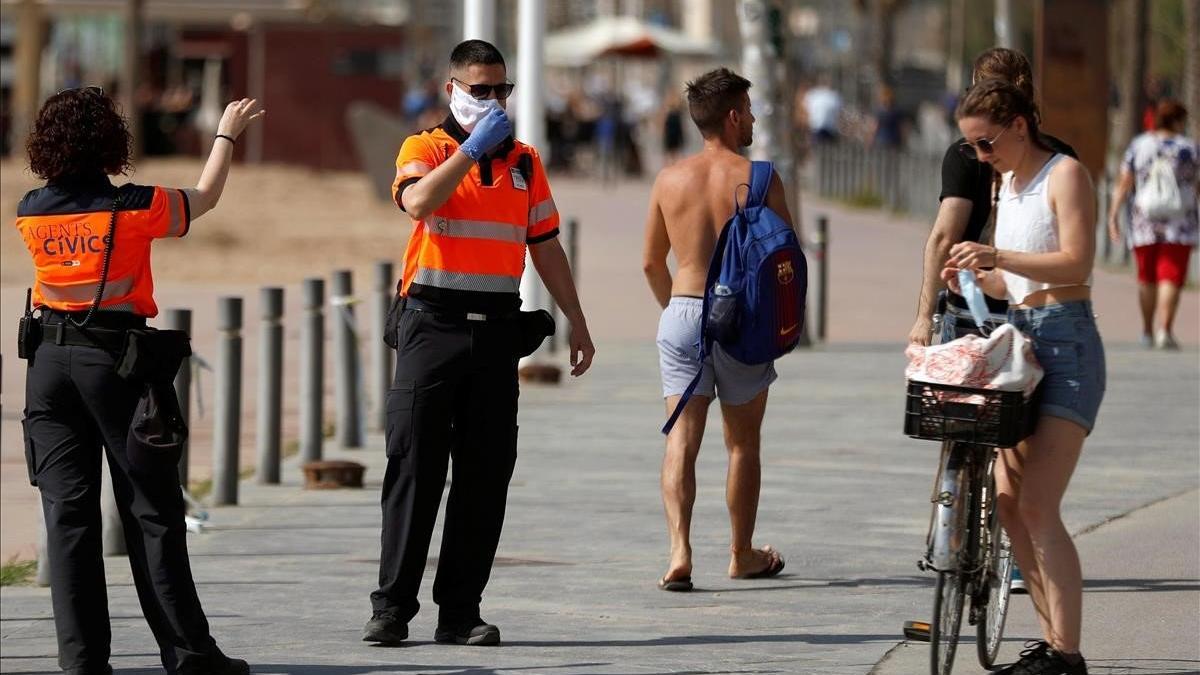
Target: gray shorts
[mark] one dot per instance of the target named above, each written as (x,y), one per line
(678,352)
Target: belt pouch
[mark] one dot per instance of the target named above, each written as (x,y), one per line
(391,324)
(534,327)
(151,358)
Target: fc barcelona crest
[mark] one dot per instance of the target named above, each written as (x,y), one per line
(784,272)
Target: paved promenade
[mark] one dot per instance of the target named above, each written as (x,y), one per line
(285,576)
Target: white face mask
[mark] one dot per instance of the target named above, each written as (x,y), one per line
(467,109)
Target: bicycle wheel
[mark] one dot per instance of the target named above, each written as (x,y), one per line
(989,629)
(947,618)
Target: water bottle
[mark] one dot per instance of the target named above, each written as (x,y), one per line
(723,314)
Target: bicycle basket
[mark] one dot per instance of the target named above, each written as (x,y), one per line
(943,412)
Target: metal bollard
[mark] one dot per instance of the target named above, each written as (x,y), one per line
(270,386)
(112,532)
(381,354)
(43,555)
(181,319)
(822,243)
(346,371)
(228,395)
(312,371)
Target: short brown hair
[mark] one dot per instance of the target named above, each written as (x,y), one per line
(1001,63)
(1169,114)
(78,132)
(712,95)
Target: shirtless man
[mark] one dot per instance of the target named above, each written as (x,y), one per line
(689,205)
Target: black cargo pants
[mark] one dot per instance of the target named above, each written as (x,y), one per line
(75,403)
(454,396)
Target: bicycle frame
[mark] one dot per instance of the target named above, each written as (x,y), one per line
(961,492)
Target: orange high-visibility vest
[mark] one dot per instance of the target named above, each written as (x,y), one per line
(64,227)
(470,252)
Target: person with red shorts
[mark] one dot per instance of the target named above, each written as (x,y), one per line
(1162,242)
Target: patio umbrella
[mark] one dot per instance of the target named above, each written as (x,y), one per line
(621,36)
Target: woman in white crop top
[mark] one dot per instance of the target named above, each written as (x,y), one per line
(1042,263)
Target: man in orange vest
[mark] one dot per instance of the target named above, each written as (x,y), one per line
(477,199)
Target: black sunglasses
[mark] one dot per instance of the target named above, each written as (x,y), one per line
(973,148)
(93,89)
(482,91)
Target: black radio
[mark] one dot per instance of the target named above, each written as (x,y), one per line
(29,335)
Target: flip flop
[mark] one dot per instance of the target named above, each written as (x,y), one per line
(773,569)
(680,585)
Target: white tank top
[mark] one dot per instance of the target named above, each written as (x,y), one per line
(1025,222)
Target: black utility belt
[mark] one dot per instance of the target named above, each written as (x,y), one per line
(60,334)
(107,320)
(456,315)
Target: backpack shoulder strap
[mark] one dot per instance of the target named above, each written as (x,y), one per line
(760,182)
(714,273)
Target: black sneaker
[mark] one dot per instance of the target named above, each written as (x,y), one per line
(223,665)
(475,633)
(385,629)
(1052,663)
(1034,649)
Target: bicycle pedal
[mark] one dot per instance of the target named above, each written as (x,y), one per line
(916,630)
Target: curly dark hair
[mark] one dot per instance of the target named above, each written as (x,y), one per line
(78,132)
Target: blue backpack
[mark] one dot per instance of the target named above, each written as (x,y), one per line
(757,283)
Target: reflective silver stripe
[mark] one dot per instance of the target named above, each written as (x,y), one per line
(411,168)
(542,211)
(175,209)
(464,281)
(475,229)
(85,292)
(120,307)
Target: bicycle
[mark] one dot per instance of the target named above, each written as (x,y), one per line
(965,545)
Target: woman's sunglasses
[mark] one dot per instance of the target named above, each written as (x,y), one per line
(973,148)
(482,91)
(94,90)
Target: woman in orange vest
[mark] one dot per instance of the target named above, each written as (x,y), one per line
(90,243)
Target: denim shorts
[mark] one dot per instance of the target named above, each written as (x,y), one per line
(1067,344)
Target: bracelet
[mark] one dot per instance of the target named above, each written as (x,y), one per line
(995,257)
(228,138)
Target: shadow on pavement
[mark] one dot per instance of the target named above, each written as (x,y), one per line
(1118,585)
(682,640)
(801,583)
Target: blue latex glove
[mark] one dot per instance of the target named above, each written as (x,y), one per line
(489,132)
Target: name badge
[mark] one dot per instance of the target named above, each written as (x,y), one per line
(518,180)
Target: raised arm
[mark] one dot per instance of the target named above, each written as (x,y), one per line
(206,194)
(654,252)
(429,193)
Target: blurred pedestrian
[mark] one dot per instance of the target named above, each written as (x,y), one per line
(888,126)
(823,108)
(672,129)
(1162,170)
